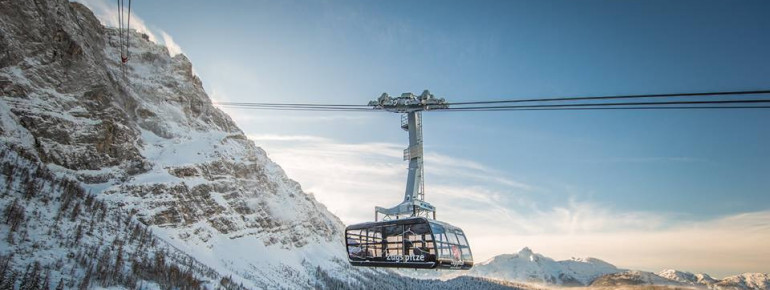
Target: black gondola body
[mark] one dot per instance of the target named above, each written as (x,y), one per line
(414,242)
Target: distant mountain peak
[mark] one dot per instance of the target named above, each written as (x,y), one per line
(528,266)
(525,251)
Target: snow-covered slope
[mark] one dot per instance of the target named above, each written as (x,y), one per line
(745,281)
(527,266)
(535,269)
(687,277)
(628,278)
(679,279)
(58,234)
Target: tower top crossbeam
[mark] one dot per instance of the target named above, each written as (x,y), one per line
(409,102)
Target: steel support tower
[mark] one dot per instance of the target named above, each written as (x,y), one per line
(411,107)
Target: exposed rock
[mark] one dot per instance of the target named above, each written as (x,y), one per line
(631,278)
(150,142)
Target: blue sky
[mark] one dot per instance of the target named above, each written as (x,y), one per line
(563,183)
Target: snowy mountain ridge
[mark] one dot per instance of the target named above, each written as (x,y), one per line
(527,266)
(535,269)
(149,145)
(686,277)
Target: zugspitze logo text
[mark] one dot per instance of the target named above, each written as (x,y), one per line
(405,258)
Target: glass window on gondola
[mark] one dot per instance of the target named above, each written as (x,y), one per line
(454,245)
(364,244)
(374,243)
(393,241)
(442,246)
(356,240)
(464,247)
(418,240)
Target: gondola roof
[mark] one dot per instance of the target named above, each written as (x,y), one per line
(402,221)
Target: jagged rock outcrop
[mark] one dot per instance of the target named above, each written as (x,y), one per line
(62,84)
(150,143)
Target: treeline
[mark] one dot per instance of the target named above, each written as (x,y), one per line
(60,236)
(384,280)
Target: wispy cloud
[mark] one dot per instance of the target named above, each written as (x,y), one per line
(460,168)
(674,159)
(173,47)
(107,13)
(722,246)
(269,138)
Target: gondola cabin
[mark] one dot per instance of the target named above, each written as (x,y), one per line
(414,242)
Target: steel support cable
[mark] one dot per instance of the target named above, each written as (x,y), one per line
(661,104)
(124,24)
(614,108)
(128,31)
(628,106)
(288,104)
(692,104)
(515,109)
(615,97)
(300,108)
(306,109)
(755,92)
(120,27)
(279,106)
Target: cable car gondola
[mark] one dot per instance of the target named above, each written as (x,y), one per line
(408,237)
(415,242)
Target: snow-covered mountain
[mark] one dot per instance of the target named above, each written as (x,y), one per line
(687,277)
(745,281)
(527,266)
(535,269)
(679,279)
(633,278)
(151,148)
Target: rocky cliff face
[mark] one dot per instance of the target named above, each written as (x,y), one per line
(62,84)
(150,145)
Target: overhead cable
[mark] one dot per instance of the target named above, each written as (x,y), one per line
(615,97)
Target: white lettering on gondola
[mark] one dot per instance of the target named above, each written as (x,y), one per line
(406,258)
